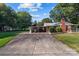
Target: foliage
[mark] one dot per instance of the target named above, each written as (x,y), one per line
(12,19)
(58,29)
(23,20)
(40,23)
(69,10)
(52,29)
(35,22)
(45,20)
(7,16)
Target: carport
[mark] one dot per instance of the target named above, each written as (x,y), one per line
(44,28)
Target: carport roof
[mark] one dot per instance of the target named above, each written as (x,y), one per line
(52,24)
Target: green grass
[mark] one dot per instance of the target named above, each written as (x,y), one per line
(71,39)
(5,37)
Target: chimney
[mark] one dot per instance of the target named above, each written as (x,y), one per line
(63,25)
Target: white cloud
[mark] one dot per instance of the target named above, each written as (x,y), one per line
(31,6)
(39,5)
(33,10)
(35,16)
(46,14)
(28,5)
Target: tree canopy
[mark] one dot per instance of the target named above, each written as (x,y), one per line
(24,20)
(10,18)
(45,20)
(69,10)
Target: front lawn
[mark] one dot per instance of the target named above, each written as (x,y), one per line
(5,37)
(71,39)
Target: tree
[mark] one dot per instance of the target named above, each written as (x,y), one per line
(24,20)
(55,16)
(69,10)
(7,16)
(35,22)
(46,20)
(11,17)
(40,23)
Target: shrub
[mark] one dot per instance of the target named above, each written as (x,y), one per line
(52,29)
(58,29)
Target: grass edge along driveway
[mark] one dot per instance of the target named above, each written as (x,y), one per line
(6,37)
(71,39)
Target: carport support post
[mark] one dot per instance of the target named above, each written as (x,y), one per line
(76,27)
(48,29)
(30,30)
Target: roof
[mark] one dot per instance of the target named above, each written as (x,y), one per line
(52,24)
(67,23)
(58,23)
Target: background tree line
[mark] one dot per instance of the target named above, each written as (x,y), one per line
(12,19)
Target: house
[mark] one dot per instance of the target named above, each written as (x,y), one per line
(44,28)
(7,28)
(66,27)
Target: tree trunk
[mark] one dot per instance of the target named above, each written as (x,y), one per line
(0,28)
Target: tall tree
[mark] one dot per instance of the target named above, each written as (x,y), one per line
(46,20)
(35,22)
(24,20)
(7,16)
(69,10)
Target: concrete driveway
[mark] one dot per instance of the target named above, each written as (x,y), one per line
(36,44)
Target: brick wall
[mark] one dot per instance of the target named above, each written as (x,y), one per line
(63,26)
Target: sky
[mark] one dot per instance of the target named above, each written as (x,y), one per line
(38,11)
